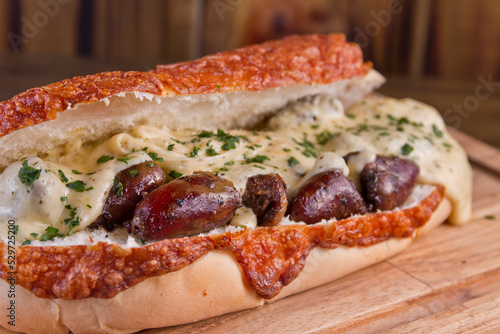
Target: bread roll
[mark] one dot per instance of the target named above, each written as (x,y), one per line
(92,282)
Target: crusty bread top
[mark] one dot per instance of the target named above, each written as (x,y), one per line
(309,59)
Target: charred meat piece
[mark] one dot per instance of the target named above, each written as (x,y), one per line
(129,188)
(326,195)
(266,196)
(188,205)
(387,182)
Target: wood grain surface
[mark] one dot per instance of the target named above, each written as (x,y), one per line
(446,282)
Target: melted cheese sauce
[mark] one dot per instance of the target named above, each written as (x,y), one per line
(305,138)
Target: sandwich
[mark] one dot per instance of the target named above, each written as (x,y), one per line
(134,200)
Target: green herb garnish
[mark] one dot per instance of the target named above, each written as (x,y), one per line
(293,162)
(155,157)
(51,233)
(28,174)
(76,186)
(118,189)
(258,158)
(62,177)
(324,137)
(438,133)
(104,159)
(124,159)
(175,174)
(194,152)
(406,149)
(211,152)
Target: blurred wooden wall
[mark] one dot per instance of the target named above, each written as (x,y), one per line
(457,39)
(466,42)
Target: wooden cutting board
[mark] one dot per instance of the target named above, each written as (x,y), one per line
(447,281)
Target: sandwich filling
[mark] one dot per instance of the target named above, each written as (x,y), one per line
(65,191)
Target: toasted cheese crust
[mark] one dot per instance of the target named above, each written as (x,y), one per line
(309,59)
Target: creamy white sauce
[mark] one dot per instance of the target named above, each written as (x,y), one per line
(244,217)
(302,132)
(357,163)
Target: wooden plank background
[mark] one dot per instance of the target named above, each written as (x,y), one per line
(4,26)
(451,39)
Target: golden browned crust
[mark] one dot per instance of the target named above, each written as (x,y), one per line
(269,257)
(309,59)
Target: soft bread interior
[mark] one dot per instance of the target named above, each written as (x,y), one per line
(240,109)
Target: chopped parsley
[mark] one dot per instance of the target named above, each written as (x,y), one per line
(170,147)
(438,133)
(77,186)
(325,136)
(133,172)
(222,169)
(229,163)
(211,152)
(490,217)
(154,156)
(74,171)
(406,149)
(293,162)
(194,152)
(205,134)
(447,145)
(351,116)
(218,87)
(34,235)
(229,141)
(51,233)
(26,242)
(118,189)
(62,177)
(309,148)
(64,198)
(175,174)
(258,159)
(286,150)
(124,159)
(104,159)
(28,174)
(177,141)
(73,219)
(253,147)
